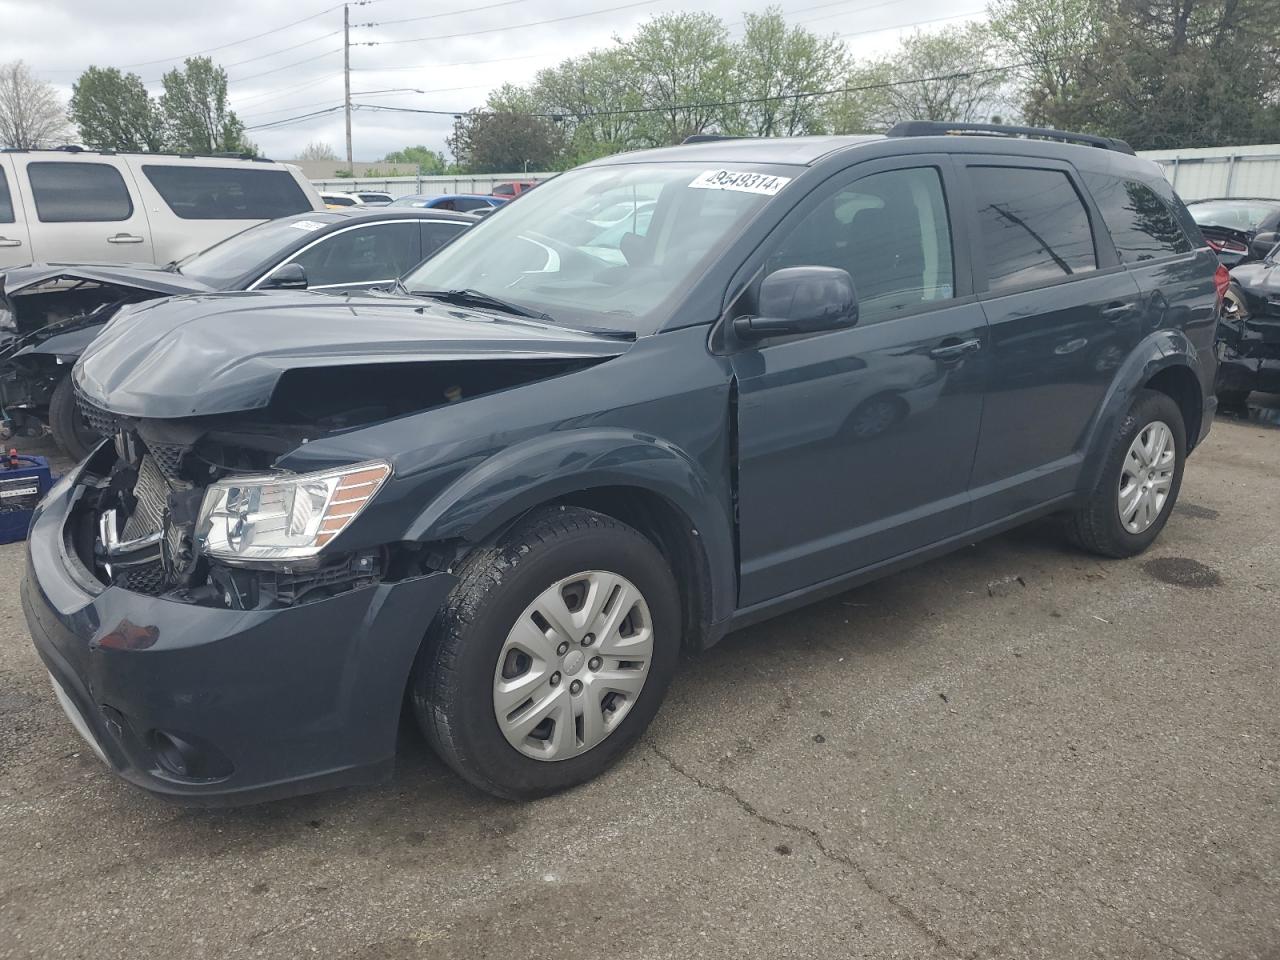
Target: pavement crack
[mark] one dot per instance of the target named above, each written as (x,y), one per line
(835,856)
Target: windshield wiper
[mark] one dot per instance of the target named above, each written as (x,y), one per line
(476,298)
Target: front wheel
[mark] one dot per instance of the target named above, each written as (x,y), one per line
(70,429)
(1139,483)
(552,655)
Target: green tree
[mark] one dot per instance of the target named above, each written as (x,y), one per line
(113,111)
(487,142)
(197,117)
(1051,41)
(949,74)
(775,64)
(593,96)
(681,66)
(428,162)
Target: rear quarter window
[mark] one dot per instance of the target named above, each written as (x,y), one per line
(1142,225)
(226,193)
(78,192)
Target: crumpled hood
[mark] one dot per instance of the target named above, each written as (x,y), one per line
(225,352)
(143,276)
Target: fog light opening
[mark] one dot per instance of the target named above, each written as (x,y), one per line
(180,757)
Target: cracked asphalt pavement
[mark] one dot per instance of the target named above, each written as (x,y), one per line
(1016,751)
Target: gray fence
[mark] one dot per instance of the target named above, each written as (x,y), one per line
(1251,171)
(407,186)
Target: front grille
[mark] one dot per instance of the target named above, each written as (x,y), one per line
(97,418)
(168,457)
(147,578)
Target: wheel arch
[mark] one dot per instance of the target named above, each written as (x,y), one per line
(637,479)
(1166,361)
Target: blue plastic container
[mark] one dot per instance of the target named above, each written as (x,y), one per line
(24,481)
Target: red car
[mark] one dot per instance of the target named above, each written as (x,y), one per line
(510,191)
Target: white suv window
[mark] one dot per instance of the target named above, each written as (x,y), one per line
(6,202)
(226,193)
(78,192)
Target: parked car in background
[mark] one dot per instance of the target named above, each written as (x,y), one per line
(82,206)
(462,202)
(1249,332)
(372,198)
(337,201)
(514,491)
(1238,229)
(509,191)
(53,311)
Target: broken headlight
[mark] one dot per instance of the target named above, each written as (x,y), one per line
(274,517)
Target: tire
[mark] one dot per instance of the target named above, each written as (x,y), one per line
(1096,524)
(69,428)
(460,674)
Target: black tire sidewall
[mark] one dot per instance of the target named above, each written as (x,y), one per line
(65,421)
(1149,407)
(479,742)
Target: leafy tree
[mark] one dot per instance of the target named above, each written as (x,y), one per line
(1187,73)
(196,115)
(30,112)
(949,74)
(774,63)
(682,66)
(428,162)
(592,96)
(488,142)
(113,111)
(318,151)
(1052,41)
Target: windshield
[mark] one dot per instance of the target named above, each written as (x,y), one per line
(1235,214)
(226,262)
(611,246)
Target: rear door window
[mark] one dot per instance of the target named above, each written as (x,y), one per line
(467,204)
(78,192)
(1141,224)
(226,193)
(380,251)
(1035,228)
(6,201)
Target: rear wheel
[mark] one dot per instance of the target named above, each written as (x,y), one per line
(69,427)
(552,655)
(1139,483)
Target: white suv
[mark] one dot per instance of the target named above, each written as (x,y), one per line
(89,207)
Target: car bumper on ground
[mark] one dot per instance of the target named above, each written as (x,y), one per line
(1240,373)
(210,706)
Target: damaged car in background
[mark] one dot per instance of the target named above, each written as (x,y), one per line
(49,313)
(511,490)
(1249,332)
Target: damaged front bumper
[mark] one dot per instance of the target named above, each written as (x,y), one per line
(213,706)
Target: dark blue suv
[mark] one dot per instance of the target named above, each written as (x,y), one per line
(667,394)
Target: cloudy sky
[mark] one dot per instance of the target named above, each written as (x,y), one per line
(441,57)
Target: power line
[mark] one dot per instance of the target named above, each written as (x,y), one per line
(287,66)
(437,16)
(914,23)
(235,43)
(514,26)
(463,63)
(276,94)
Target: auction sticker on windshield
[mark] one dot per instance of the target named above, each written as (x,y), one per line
(741,180)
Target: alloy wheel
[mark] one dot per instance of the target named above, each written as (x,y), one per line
(1146,477)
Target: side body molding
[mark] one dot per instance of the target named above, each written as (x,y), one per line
(499,490)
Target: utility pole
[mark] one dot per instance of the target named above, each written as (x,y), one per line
(346,79)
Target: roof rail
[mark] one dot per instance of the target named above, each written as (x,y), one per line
(74,148)
(709,138)
(933,128)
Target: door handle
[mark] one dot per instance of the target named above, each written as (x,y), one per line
(124,238)
(1117,310)
(6,242)
(955,349)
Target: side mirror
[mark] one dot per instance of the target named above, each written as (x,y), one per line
(801,300)
(1263,243)
(288,276)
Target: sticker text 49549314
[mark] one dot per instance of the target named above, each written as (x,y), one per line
(743,181)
